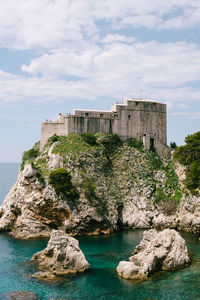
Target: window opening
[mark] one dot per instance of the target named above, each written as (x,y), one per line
(152,144)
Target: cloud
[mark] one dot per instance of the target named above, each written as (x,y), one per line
(150,64)
(113,38)
(111,70)
(51,24)
(27,24)
(80,57)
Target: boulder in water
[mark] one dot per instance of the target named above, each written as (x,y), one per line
(165,250)
(61,256)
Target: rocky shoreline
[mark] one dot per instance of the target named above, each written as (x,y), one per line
(64,193)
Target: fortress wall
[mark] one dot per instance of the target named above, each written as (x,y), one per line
(51,128)
(153,121)
(92,113)
(81,125)
(138,118)
(144,120)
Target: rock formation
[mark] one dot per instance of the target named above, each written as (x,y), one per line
(61,256)
(118,187)
(165,250)
(19,295)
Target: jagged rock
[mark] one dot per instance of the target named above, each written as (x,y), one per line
(54,159)
(162,221)
(135,213)
(61,256)
(165,250)
(29,171)
(19,295)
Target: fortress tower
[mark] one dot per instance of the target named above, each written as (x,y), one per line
(143,120)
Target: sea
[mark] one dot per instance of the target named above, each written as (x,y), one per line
(103,254)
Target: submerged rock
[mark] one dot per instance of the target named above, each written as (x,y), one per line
(19,295)
(165,250)
(61,256)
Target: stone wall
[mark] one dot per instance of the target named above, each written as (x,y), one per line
(144,120)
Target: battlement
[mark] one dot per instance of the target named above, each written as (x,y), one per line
(144,120)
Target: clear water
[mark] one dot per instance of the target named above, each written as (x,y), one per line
(103,253)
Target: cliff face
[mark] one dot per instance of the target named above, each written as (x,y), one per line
(115,184)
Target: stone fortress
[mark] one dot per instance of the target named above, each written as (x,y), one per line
(144,120)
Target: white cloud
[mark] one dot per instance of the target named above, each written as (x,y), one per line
(150,64)
(83,60)
(114,70)
(27,24)
(113,38)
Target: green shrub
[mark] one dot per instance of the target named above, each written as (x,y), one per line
(72,143)
(136,144)
(189,156)
(61,181)
(89,138)
(32,153)
(168,196)
(88,186)
(193,177)
(173,146)
(29,156)
(167,202)
(110,142)
(54,138)
(190,152)
(154,160)
(39,174)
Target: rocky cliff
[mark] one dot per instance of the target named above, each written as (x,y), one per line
(100,185)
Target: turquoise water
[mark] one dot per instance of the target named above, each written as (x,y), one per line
(103,253)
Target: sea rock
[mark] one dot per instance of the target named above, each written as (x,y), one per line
(19,295)
(165,250)
(61,256)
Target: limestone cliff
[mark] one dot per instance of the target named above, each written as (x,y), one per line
(113,185)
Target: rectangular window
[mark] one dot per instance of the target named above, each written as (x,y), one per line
(101,115)
(86,115)
(129,117)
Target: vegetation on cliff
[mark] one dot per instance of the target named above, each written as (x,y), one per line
(189,156)
(61,181)
(105,169)
(30,155)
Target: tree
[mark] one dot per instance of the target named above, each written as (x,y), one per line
(61,181)
(189,156)
(173,145)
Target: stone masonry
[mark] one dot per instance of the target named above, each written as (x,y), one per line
(143,120)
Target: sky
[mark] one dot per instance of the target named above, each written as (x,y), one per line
(56,55)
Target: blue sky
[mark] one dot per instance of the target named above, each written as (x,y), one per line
(56,55)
